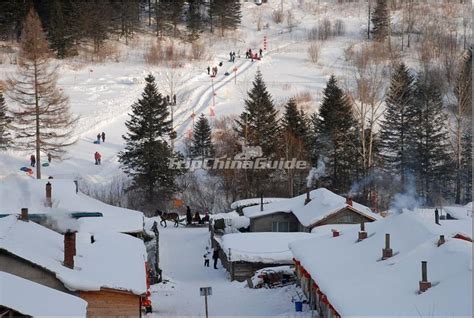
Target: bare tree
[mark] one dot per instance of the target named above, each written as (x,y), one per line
(43,121)
(370,67)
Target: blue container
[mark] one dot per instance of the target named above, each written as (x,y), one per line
(298,306)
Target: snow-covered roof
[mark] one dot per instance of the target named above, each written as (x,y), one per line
(114,260)
(232,219)
(32,299)
(460,212)
(254,201)
(271,248)
(358,284)
(323,203)
(17,193)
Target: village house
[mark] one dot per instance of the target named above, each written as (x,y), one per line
(57,200)
(23,298)
(244,253)
(405,257)
(107,269)
(307,211)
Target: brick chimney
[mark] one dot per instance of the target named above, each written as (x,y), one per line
(441,240)
(424,283)
(69,248)
(387,251)
(24,215)
(362,232)
(49,202)
(349,201)
(335,233)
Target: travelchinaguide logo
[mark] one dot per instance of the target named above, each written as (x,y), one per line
(250,158)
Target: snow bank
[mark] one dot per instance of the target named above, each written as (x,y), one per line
(358,284)
(32,299)
(17,193)
(271,248)
(114,261)
(254,201)
(323,203)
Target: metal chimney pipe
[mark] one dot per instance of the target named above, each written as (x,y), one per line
(308,198)
(436,216)
(424,271)
(261,201)
(362,226)
(49,202)
(387,241)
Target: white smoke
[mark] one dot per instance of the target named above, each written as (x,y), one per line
(315,173)
(62,222)
(408,199)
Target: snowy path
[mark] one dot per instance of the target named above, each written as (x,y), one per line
(181,257)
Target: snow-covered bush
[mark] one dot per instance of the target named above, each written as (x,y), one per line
(339,28)
(312,34)
(313,52)
(278,16)
(325,29)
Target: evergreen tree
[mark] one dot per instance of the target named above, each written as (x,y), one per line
(466,162)
(147,154)
(201,142)
(194,19)
(396,133)
(295,121)
(60,31)
(336,131)
(431,139)
(258,124)
(380,20)
(226,13)
(5,120)
(43,122)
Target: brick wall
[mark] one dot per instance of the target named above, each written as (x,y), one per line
(107,303)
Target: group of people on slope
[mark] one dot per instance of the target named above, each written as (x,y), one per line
(97,155)
(33,159)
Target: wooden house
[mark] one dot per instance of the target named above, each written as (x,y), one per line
(106,270)
(305,212)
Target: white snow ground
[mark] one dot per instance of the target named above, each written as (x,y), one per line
(181,258)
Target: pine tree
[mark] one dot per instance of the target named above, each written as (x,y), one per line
(201,142)
(431,139)
(381,21)
(466,162)
(43,122)
(59,28)
(226,13)
(147,154)
(5,120)
(396,133)
(194,19)
(258,124)
(336,132)
(295,120)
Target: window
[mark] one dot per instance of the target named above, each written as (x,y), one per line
(280,226)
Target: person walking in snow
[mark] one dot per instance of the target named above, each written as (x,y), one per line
(189,216)
(261,53)
(97,158)
(230,56)
(215,256)
(49,158)
(233,57)
(208,70)
(98,138)
(207,256)
(32,160)
(103,136)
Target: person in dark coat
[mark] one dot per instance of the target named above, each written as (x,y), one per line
(32,160)
(261,53)
(98,138)
(49,158)
(197,218)
(189,216)
(103,136)
(215,256)
(208,70)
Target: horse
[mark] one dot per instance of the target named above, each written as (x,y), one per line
(168,217)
